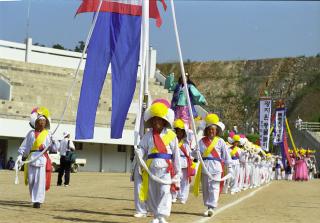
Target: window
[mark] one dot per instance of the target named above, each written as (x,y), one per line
(78,145)
(5,89)
(121,148)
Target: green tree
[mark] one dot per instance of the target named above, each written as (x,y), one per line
(80,47)
(58,46)
(38,44)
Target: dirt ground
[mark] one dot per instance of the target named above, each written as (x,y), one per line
(108,198)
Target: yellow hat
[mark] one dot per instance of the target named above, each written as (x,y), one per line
(236,138)
(178,124)
(159,108)
(211,119)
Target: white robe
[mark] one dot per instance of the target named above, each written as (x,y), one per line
(235,163)
(37,169)
(210,188)
(159,195)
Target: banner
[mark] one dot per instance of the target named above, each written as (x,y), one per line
(264,123)
(279,125)
(285,151)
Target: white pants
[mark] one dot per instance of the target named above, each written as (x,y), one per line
(37,183)
(210,191)
(159,196)
(242,176)
(278,174)
(183,193)
(247,176)
(139,206)
(235,180)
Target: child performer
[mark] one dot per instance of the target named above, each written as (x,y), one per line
(38,173)
(235,153)
(159,147)
(214,153)
(186,163)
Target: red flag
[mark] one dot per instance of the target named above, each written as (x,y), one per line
(131,7)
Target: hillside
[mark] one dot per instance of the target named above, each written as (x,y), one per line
(231,86)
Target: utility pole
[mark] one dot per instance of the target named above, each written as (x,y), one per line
(27,41)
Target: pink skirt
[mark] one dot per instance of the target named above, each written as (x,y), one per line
(301,170)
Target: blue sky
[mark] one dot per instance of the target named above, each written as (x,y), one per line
(209,30)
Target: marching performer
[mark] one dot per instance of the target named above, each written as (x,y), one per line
(159,147)
(38,173)
(185,161)
(214,153)
(235,153)
(243,159)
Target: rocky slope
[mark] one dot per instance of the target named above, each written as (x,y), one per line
(230,87)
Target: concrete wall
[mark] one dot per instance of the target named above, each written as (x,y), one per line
(104,158)
(54,57)
(40,55)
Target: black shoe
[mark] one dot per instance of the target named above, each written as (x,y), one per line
(58,185)
(36,205)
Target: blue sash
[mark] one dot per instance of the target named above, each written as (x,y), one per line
(160,156)
(211,158)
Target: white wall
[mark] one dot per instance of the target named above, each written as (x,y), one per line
(40,55)
(20,128)
(112,160)
(90,152)
(54,57)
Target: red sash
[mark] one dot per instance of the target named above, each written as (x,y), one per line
(215,154)
(159,144)
(189,162)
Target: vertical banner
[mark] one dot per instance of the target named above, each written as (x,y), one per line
(264,122)
(285,151)
(279,125)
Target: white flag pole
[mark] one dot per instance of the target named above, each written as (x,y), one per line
(186,92)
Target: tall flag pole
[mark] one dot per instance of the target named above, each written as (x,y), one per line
(139,126)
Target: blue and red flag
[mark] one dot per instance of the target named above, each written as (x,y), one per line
(116,40)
